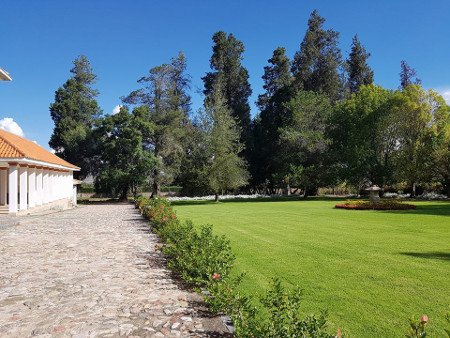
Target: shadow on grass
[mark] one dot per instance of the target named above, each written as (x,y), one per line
(435,208)
(444,256)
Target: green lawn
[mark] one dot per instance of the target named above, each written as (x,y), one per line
(372,270)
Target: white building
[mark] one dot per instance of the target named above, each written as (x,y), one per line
(31,177)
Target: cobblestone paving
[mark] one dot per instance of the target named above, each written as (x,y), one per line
(90,272)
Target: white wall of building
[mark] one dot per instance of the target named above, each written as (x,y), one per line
(24,187)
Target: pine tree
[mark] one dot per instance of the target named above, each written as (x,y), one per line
(74,111)
(408,75)
(316,65)
(359,72)
(164,92)
(225,169)
(231,77)
(277,80)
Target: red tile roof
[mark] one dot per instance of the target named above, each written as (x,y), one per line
(14,146)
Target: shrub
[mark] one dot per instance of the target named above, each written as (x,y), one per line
(196,255)
(223,296)
(381,205)
(157,210)
(278,316)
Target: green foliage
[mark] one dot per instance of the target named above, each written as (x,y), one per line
(158,211)
(230,77)
(418,114)
(265,148)
(225,170)
(116,135)
(364,137)
(359,72)
(315,66)
(194,164)
(73,113)
(278,316)
(303,138)
(195,254)
(285,319)
(164,94)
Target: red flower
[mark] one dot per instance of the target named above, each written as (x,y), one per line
(215,276)
(424,319)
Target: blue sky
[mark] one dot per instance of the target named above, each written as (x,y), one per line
(124,39)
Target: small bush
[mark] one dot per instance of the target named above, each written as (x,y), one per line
(279,314)
(196,254)
(381,205)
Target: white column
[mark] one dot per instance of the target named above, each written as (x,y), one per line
(3,185)
(39,182)
(51,190)
(31,187)
(58,185)
(23,186)
(45,191)
(70,184)
(13,175)
(66,184)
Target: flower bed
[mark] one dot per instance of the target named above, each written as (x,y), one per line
(381,205)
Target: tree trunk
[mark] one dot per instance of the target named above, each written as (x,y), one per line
(413,193)
(124,194)
(216,197)
(156,188)
(288,189)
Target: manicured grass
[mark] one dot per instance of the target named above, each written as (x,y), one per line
(372,270)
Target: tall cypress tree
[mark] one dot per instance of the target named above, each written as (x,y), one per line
(277,80)
(230,77)
(74,112)
(359,72)
(316,65)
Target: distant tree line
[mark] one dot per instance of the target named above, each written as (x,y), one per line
(321,122)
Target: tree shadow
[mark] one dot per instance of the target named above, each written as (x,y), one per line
(435,208)
(444,256)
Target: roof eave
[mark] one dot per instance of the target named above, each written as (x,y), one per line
(38,163)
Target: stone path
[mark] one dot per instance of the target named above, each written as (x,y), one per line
(91,272)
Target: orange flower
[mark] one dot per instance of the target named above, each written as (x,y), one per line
(215,276)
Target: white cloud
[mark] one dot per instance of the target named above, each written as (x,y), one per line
(446,95)
(116,109)
(10,125)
